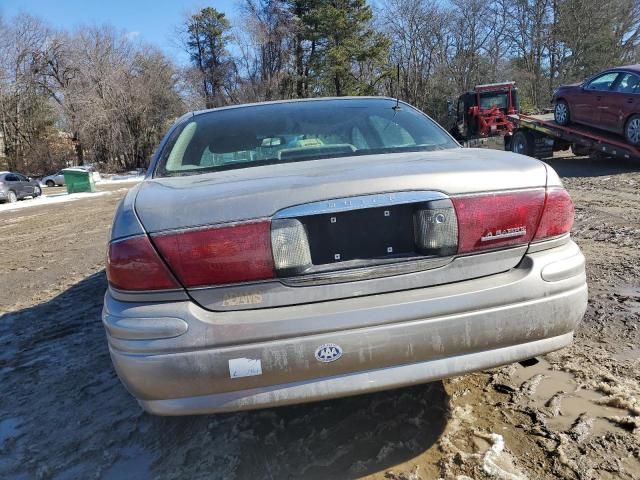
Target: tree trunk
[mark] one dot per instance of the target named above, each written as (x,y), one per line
(299,67)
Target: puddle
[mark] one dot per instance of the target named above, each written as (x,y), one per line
(631,354)
(583,401)
(629,298)
(633,307)
(630,292)
(9,428)
(558,395)
(553,381)
(629,465)
(133,462)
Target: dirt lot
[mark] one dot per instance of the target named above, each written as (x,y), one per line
(64,415)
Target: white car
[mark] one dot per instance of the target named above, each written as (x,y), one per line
(57,179)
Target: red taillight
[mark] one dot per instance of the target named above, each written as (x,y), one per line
(218,255)
(557,218)
(497,220)
(133,264)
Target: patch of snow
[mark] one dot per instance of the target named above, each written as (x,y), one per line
(121,179)
(49,200)
(496,462)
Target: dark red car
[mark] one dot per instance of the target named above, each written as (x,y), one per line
(609,101)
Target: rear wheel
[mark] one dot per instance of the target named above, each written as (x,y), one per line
(12,197)
(561,113)
(522,143)
(632,130)
(50,183)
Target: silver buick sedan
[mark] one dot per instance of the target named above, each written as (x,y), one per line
(294,251)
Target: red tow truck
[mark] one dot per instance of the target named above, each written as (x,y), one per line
(484,112)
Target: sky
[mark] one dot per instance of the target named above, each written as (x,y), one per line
(150,21)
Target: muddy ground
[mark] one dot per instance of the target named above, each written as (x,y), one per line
(574,414)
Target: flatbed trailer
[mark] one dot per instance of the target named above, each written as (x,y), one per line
(539,136)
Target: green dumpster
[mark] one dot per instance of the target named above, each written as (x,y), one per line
(77,180)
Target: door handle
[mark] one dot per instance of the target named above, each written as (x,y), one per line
(629,100)
(599,97)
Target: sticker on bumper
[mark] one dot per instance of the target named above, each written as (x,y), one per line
(244,367)
(329,352)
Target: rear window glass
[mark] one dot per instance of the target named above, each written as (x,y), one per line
(490,100)
(297,131)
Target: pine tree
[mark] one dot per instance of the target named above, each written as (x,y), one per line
(207,34)
(347,46)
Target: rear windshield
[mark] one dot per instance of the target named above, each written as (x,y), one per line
(490,100)
(297,131)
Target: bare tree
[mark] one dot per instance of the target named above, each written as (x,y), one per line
(113,97)
(418,30)
(25,116)
(266,46)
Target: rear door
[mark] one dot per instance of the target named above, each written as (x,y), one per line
(25,186)
(13,181)
(619,103)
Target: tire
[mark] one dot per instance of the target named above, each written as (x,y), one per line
(522,143)
(581,150)
(12,197)
(561,113)
(36,192)
(50,183)
(632,130)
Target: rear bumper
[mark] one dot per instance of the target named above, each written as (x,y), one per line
(175,357)
(354,383)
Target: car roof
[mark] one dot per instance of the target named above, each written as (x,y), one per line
(362,100)
(635,68)
(4,174)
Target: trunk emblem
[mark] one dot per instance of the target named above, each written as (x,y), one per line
(504,233)
(329,352)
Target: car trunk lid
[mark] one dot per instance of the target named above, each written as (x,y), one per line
(356,221)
